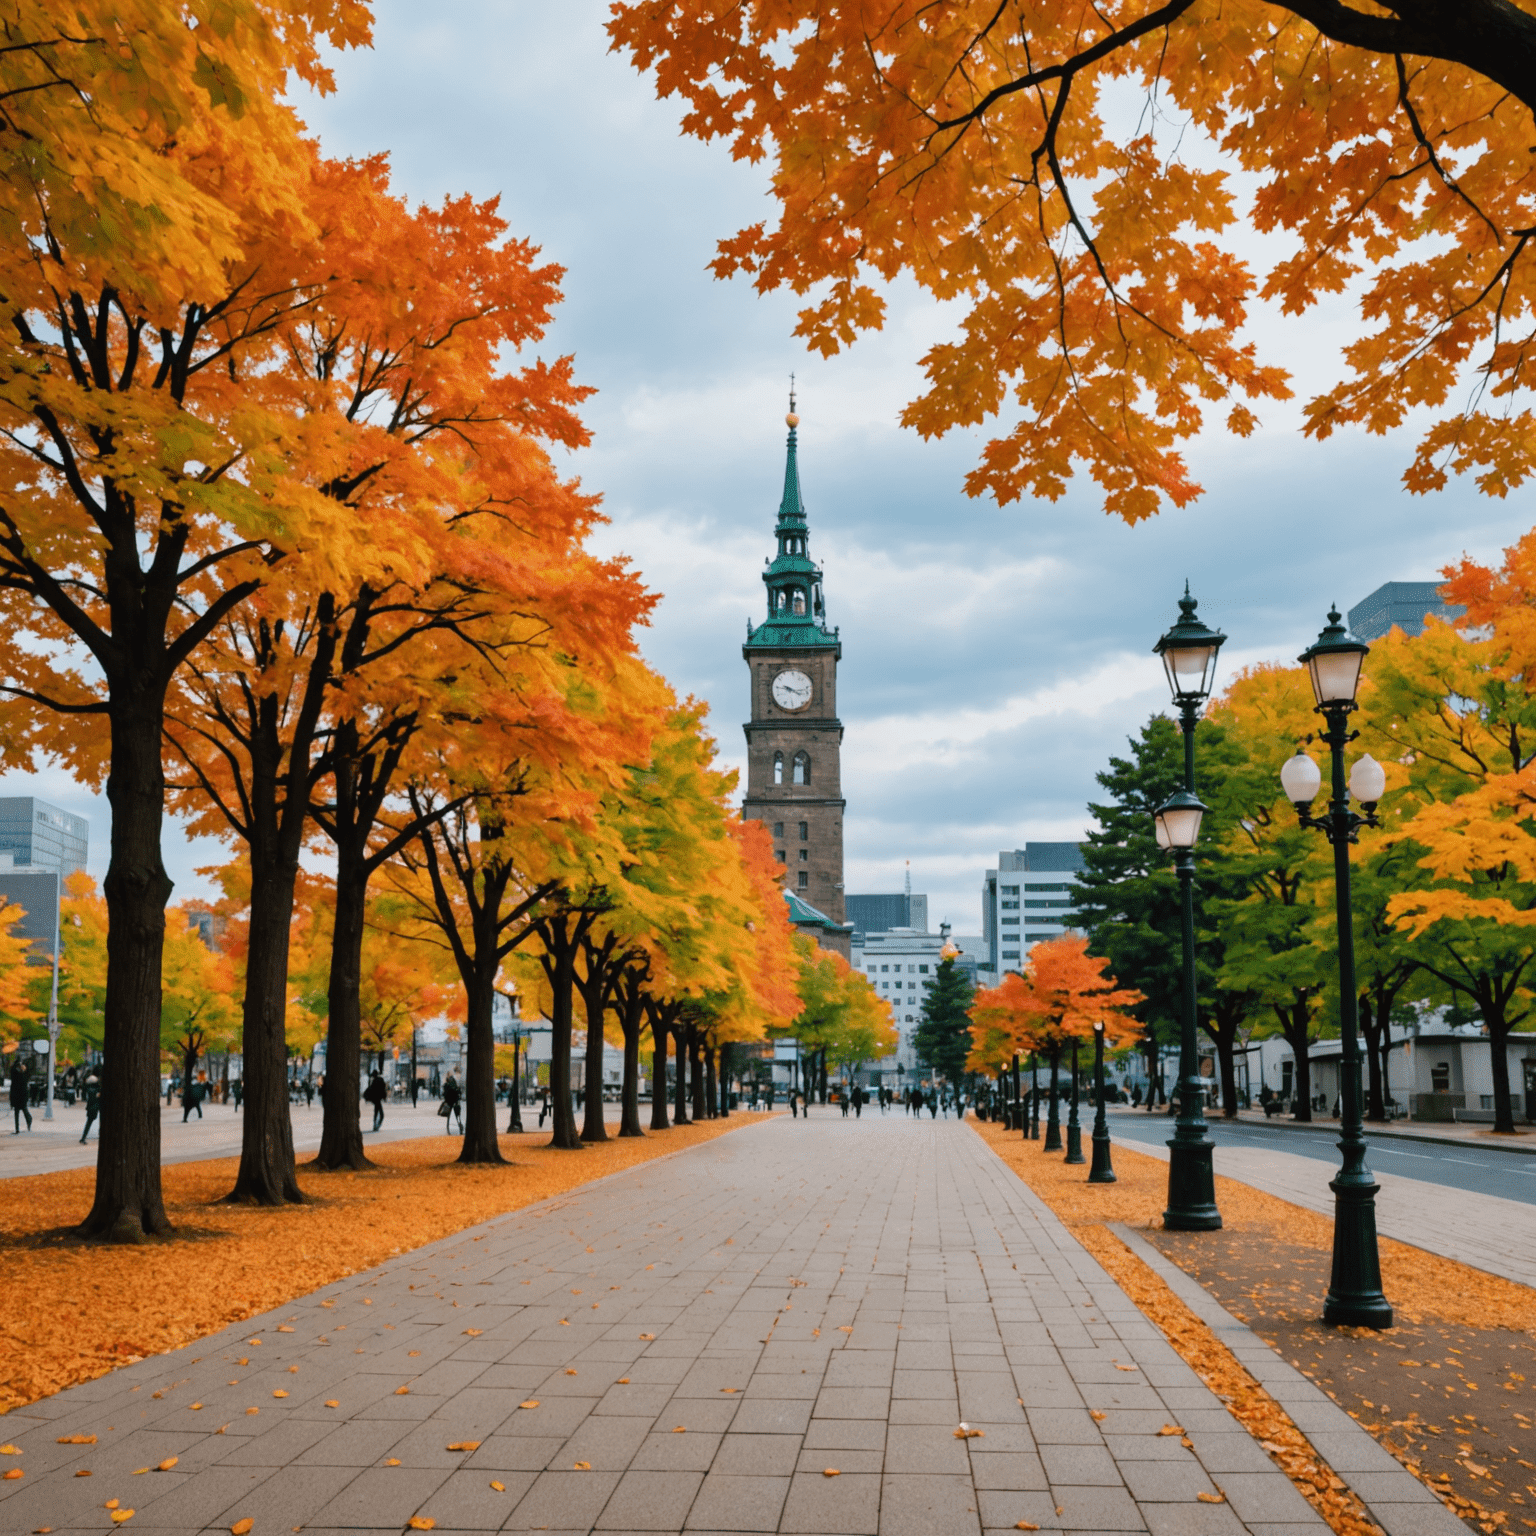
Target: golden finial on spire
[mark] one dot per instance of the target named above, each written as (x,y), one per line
(791,420)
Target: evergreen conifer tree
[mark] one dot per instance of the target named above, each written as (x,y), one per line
(943,1038)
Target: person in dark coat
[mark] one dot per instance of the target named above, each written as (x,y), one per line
(20,1082)
(191,1098)
(452,1098)
(376,1093)
(92,1104)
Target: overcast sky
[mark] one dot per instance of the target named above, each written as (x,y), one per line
(993,658)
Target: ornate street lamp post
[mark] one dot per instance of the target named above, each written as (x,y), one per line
(1103,1171)
(515,1119)
(1034,1096)
(1074,1127)
(1188,652)
(1333,662)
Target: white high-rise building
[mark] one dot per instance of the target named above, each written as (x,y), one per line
(1027,898)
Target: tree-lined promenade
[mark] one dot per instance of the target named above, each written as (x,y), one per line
(283,549)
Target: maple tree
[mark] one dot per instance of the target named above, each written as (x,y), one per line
(1275,950)
(199,1007)
(1452,714)
(17,980)
(1093,253)
(840,1020)
(1060,995)
(160,234)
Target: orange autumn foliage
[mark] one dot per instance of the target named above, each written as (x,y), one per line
(992,151)
(1063,992)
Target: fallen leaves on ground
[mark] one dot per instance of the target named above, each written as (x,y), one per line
(1064,1190)
(111,1306)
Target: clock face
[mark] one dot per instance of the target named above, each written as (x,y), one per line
(792,690)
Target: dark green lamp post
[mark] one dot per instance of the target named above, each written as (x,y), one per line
(1333,663)
(1074,1126)
(1188,653)
(1103,1171)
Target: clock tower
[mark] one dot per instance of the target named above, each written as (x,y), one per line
(794,738)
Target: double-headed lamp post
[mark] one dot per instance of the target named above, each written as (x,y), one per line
(1103,1170)
(1188,652)
(1333,663)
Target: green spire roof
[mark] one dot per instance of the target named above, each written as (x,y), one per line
(796,613)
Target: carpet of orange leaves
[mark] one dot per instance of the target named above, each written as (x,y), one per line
(71,1311)
(1419,1283)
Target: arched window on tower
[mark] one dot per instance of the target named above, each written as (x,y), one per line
(799,601)
(802,770)
(778,767)
(778,601)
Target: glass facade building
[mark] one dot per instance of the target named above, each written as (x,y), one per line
(36,833)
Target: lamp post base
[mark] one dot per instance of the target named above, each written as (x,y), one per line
(1074,1144)
(1191,1187)
(1354,1297)
(1103,1171)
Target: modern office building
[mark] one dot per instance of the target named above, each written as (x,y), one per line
(1028,897)
(1400,604)
(36,833)
(879,914)
(39,846)
(901,964)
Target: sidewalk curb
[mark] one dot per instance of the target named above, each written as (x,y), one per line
(1399,1502)
(1374,1132)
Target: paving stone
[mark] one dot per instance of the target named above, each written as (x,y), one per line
(650,1501)
(738,1503)
(817,1505)
(960,1293)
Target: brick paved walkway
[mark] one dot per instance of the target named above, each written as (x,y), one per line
(704,1337)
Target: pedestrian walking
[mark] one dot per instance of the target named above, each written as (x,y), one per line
(376,1093)
(191,1098)
(543,1106)
(237,1091)
(933,1105)
(19,1084)
(842,1100)
(451,1105)
(92,1104)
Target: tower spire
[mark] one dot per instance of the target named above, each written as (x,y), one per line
(796,611)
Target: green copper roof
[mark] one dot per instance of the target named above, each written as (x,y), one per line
(803,915)
(796,612)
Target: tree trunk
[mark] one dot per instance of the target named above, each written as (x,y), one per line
(129,1203)
(680,1052)
(629,1094)
(696,1075)
(1220,1026)
(1296,1027)
(1386,1058)
(1370,1029)
(711,1095)
(561,986)
(1498,1051)
(267,1175)
(724,1075)
(341,1135)
(592,1126)
(659,1120)
(481,1144)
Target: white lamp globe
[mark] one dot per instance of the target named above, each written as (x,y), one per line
(1367,780)
(1301,779)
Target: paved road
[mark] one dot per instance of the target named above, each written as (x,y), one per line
(691,1345)
(52,1146)
(1456,1167)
